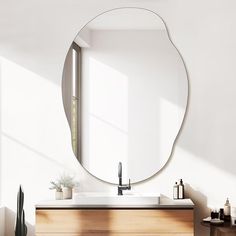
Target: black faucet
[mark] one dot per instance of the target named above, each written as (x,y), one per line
(120,186)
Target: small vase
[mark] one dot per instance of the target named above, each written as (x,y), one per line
(58,195)
(67,193)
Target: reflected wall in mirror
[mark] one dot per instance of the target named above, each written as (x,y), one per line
(125,94)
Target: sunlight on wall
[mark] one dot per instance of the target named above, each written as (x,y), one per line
(23,105)
(34,151)
(215,181)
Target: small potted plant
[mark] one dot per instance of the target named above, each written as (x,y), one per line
(67,183)
(58,188)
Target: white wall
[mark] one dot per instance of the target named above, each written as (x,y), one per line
(2,209)
(35,137)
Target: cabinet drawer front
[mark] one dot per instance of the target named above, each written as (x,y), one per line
(115,234)
(118,221)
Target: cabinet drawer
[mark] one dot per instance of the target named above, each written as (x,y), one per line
(107,234)
(118,222)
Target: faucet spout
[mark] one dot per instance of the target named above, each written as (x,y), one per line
(120,186)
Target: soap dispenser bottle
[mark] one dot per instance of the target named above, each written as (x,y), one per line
(227,209)
(175,191)
(181,189)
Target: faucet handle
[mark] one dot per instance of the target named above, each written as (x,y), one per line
(129,184)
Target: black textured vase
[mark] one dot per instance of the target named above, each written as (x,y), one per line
(20,228)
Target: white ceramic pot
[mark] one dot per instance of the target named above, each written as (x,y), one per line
(67,193)
(58,195)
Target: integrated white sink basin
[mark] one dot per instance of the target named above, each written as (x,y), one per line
(109,199)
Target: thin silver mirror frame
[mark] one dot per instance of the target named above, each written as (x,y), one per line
(187,97)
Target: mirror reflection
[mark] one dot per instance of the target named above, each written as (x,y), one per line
(125,93)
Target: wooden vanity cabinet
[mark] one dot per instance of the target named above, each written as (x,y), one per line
(114,222)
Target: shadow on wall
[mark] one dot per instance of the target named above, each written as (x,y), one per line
(201,209)
(2,221)
(10,218)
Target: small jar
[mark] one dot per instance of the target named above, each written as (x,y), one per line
(214,214)
(221,214)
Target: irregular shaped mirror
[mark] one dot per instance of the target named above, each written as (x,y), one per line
(125,94)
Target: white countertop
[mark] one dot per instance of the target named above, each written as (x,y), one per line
(165,202)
